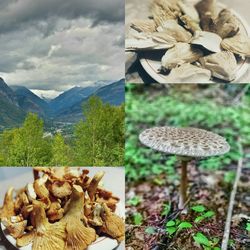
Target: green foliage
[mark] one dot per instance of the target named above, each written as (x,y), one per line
(98,141)
(25,146)
(180,109)
(203,213)
(134,201)
(173,226)
(61,152)
(248,226)
(229,177)
(165,210)
(205,242)
(138,219)
(150,230)
(198,208)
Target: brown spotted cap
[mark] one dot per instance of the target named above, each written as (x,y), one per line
(192,142)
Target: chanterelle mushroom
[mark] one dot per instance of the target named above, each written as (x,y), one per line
(78,235)
(47,236)
(113,225)
(8,208)
(187,144)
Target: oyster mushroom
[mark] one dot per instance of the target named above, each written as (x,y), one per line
(188,73)
(186,144)
(149,42)
(8,208)
(173,29)
(188,9)
(208,12)
(190,24)
(78,235)
(180,54)
(222,65)
(239,45)
(113,225)
(164,10)
(207,40)
(145,26)
(226,24)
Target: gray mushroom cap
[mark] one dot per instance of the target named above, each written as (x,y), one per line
(192,142)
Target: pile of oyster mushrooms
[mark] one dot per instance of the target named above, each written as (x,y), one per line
(200,41)
(62,209)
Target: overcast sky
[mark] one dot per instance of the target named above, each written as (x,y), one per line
(56,44)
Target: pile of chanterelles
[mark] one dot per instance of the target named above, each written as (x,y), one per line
(62,209)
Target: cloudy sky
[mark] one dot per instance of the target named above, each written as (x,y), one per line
(57,44)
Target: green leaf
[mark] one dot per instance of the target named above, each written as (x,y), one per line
(184,225)
(209,214)
(134,201)
(171,230)
(199,219)
(248,227)
(198,208)
(166,210)
(216,248)
(170,223)
(200,238)
(150,230)
(138,219)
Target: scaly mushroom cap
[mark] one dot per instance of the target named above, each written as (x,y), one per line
(191,142)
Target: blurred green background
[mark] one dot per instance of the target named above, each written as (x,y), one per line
(223,109)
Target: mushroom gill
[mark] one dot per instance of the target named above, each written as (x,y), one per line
(78,235)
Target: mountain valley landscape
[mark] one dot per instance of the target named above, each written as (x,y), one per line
(59,113)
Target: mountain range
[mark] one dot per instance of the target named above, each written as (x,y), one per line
(17,101)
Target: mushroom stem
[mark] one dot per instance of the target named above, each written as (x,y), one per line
(183,184)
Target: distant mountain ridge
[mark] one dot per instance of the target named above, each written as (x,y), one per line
(67,107)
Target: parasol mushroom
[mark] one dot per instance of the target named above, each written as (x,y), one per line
(187,144)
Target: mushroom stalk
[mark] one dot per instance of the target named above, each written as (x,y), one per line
(183,184)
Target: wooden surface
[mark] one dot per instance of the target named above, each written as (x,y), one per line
(136,9)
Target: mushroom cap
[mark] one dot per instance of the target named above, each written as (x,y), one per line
(191,142)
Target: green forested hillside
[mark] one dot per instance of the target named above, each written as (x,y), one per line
(97,141)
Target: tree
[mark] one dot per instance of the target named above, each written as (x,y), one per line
(99,139)
(60,152)
(28,147)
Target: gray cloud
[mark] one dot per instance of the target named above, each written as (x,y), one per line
(18,14)
(56,44)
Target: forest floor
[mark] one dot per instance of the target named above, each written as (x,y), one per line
(152,208)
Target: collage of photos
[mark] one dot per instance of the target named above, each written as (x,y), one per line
(124,125)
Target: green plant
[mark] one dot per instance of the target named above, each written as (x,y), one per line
(165,209)
(150,230)
(207,244)
(138,219)
(229,177)
(135,201)
(203,213)
(248,226)
(173,226)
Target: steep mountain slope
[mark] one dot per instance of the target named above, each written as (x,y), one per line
(10,113)
(71,97)
(113,93)
(29,102)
